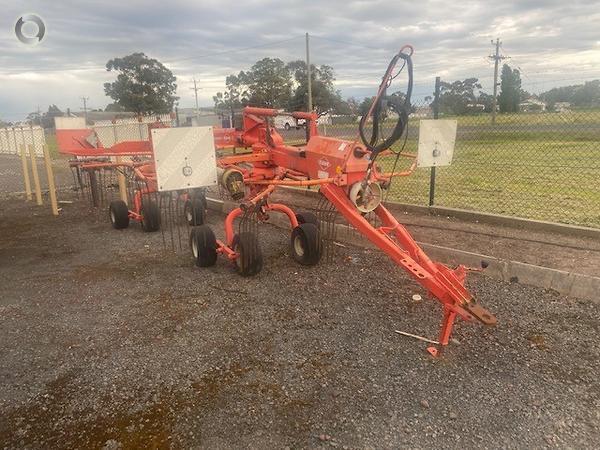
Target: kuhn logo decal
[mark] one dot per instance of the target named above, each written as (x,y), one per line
(324,163)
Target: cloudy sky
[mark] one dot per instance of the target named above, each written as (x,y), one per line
(552,42)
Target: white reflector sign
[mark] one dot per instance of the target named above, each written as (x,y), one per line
(185,157)
(436,142)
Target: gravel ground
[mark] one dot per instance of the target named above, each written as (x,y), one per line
(109,341)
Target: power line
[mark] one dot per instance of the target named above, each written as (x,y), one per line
(168,61)
(196,89)
(236,50)
(85,99)
(346,42)
(497,57)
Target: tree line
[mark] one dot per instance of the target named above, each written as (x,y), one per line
(145,86)
(272,83)
(466,96)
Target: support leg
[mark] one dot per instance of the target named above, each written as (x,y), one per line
(447,324)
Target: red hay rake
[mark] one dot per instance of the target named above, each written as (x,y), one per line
(346,172)
(93,163)
(349,179)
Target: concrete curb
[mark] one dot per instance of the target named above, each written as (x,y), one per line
(567,283)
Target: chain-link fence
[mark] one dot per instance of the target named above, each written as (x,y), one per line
(12,139)
(537,165)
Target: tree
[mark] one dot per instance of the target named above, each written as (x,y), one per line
(114,107)
(455,97)
(352,105)
(143,85)
(487,100)
(364,106)
(579,95)
(324,96)
(272,83)
(234,97)
(45,120)
(510,90)
(266,84)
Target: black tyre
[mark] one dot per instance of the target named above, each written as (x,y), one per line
(195,211)
(94,190)
(204,246)
(307,217)
(306,245)
(119,214)
(150,216)
(249,261)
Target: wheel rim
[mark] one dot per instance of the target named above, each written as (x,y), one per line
(112,216)
(195,247)
(189,215)
(298,246)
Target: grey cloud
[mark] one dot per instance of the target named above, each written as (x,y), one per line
(550,40)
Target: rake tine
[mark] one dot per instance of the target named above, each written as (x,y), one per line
(179,214)
(170,220)
(162,229)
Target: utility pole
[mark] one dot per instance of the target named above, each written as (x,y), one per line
(85,99)
(497,57)
(310,104)
(196,89)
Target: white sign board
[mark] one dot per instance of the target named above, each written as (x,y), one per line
(184,157)
(436,142)
(69,123)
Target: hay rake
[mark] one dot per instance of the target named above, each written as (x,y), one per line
(122,179)
(351,184)
(346,172)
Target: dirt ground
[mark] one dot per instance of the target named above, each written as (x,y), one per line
(107,340)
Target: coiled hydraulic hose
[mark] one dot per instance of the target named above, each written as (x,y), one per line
(401,106)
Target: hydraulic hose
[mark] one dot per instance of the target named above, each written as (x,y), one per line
(401,106)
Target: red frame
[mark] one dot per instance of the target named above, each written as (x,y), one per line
(334,165)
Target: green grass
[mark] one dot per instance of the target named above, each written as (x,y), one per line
(525,166)
(52,145)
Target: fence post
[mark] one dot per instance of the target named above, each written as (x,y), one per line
(25,172)
(36,176)
(436,112)
(51,184)
(122,183)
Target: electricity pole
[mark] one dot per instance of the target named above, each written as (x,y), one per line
(85,99)
(196,89)
(310,105)
(497,57)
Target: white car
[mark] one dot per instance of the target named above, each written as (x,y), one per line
(286,122)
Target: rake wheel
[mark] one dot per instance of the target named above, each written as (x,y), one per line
(249,260)
(306,244)
(307,217)
(195,211)
(119,214)
(150,216)
(204,246)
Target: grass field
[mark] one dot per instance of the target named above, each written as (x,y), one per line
(52,145)
(539,166)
